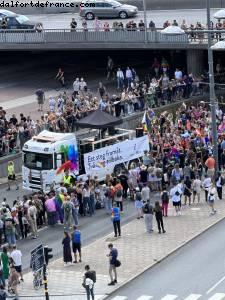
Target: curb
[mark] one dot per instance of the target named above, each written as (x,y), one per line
(18,177)
(160,260)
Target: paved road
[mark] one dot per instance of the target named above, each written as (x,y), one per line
(198,269)
(150,4)
(92,228)
(56,21)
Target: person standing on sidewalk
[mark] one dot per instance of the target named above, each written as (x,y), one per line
(211,199)
(32,218)
(148,216)
(76,243)
(139,205)
(67,256)
(16,257)
(175,194)
(89,281)
(207,182)
(165,202)
(116,220)
(219,186)
(113,254)
(196,188)
(159,217)
(11,175)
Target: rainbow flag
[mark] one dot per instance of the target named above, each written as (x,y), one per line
(146,122)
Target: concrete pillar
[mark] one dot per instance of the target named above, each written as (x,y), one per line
(195,61)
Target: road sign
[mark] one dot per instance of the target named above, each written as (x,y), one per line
(37,258)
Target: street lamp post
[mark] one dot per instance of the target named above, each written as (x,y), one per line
(212,90)
(145,20)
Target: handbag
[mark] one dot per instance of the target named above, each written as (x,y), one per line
(117,263)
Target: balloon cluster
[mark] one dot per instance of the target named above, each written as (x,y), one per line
(71,155)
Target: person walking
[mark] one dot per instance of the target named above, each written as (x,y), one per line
(139,205)
(118,197)
(76,244)
(16,257)
(89,281)
(219,185)
(148,216)
(211,198)
(11,175)
(187,190)
(116,220)
(113,254)
(13,281)
(5,263)
(165,202)
(159,217)
(207,182)
(67,256)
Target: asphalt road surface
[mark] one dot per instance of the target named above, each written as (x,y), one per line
(150,4)
(62,21)
(196,271)
(91,228)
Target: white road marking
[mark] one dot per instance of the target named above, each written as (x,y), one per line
(169,297)
(217,296)
(193,297)
(144,297)
(215,285)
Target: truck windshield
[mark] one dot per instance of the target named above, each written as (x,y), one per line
(38,161)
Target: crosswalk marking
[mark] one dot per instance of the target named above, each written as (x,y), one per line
(169,297)
(193,297)
(217,296)
(144,297)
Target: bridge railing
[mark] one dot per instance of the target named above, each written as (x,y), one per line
(91,36)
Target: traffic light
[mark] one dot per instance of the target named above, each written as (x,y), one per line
(47,253)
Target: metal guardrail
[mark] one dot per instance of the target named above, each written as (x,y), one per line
(88,36)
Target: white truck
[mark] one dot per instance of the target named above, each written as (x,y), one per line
(45,154)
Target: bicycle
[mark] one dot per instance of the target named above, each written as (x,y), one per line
(38,277)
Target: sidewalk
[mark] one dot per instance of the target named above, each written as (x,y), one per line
(138,251)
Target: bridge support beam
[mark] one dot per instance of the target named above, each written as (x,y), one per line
(195,61)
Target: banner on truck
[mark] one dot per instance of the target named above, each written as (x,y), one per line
(107,157)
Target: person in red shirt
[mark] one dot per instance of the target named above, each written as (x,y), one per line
(210,164)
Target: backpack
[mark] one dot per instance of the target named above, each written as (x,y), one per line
(67,208)
(146,209)
(8,224)
(119,193)
(92,276)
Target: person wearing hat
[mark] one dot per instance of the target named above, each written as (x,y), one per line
(11,175)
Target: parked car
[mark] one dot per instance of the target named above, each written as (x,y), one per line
(107,9)
(15,21)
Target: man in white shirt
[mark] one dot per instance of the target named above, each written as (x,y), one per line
(175,194)
(76,86)
(16,256)
(145,193)
(129,76)
(207,182)
(120,78)
(178,74)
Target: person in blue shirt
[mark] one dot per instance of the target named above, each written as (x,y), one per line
(139,205)
(116,219)
(76,242)
(113,254)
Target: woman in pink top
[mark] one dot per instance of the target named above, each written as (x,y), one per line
(51,210)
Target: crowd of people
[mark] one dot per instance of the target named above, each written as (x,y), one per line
(132,25)
(178,167)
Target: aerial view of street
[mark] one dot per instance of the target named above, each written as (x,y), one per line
(112,150)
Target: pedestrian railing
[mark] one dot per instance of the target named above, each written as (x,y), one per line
(91,36)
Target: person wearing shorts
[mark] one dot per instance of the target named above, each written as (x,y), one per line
(76,244)
(175,194)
